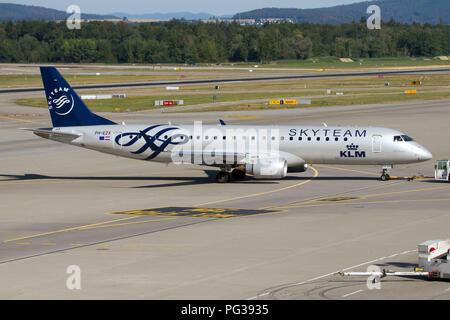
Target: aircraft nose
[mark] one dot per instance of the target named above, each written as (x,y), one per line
(424,154)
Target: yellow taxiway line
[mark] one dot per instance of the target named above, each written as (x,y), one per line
(349,170)
(21,120)
(67,229)
(314,202)
(124,224)
(316,173)
(353,202)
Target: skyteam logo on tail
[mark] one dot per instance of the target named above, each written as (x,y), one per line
(60,101)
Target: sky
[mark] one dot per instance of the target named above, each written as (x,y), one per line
(216,7)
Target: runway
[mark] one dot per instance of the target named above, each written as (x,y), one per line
(141,230)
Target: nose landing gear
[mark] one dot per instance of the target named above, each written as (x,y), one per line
(384,173)
(385,176)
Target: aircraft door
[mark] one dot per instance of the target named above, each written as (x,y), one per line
(442,170)
(376,143)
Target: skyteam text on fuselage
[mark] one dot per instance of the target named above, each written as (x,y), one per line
(266,152)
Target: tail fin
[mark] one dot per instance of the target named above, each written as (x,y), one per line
(66,107)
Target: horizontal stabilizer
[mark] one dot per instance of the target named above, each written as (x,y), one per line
(54,135)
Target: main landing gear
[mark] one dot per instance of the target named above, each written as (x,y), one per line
(225,176)
(238,174)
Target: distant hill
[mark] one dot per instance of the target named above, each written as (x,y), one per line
(17,12)
(406,11)
(172,15)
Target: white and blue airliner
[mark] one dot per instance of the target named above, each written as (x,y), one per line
(264,151)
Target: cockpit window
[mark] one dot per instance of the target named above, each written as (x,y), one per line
(406,138)
(402,138)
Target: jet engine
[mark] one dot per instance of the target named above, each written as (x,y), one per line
(301,168)
(267,168)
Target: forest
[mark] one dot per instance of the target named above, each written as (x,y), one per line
(406,11)
(178,41)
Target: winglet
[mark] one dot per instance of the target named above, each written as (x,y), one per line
(222,123)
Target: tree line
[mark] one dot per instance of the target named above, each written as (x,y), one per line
(406,11)
(180,42)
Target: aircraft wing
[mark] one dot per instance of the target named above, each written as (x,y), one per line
(216,158)
(219,158)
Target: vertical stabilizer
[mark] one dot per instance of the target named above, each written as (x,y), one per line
(65,106)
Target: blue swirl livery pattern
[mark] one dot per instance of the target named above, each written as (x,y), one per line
(153,140)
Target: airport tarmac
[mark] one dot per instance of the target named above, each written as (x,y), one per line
(143,230)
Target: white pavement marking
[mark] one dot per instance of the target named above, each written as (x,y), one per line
(329,274)
(352,293)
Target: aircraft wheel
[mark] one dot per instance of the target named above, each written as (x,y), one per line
(385,177)
(237,174)
(223,177)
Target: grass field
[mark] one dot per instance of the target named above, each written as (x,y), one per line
(312,63)
(369,82)
(144,102)
(354,82)
(378,98)
(289,66)
(255,95)
(34,80)
(304,85)
(360,63)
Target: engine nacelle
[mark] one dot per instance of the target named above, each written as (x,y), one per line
(267,168)
(301,168)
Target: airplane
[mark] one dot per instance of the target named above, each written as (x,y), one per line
(265,152)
